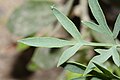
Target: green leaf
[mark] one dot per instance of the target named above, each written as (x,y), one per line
(106,72)
(69,53)
(89,68)
(67,24)
(116,56)
(102,38)
(74,67)
(93,26)
(30,18)
(99,16)
(104,55)
(48,42)
(70,75)
(116,27)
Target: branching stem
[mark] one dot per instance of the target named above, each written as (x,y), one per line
(102,44)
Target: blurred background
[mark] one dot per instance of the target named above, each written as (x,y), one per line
(29,18)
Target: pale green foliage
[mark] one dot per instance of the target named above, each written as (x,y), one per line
(69,53)
(67,24)
(46,42)
(99,16)
(75,67)
(104,55)
(107,72)
(96,61)
(102,26)
(93,26)
(116,27)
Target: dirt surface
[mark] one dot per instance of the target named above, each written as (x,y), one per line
(7,53)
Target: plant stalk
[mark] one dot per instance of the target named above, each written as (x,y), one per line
(101,44)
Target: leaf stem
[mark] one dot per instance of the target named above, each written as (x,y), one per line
(102,44)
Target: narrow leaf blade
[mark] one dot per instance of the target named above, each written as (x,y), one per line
(74,67)
(116,27)
(104,55)
(69,53)
(67,24)
(93,26)
(79,68)
(89,68)
(48,42)
(106,72)
(98,14)
(116,56)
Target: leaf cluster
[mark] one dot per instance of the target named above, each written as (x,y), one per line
(78,42)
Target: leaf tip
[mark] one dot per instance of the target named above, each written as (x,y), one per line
(58,65)
(82,21)
(60,62)
(20,41)
(52,7)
